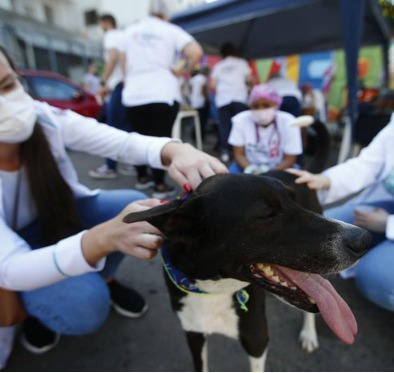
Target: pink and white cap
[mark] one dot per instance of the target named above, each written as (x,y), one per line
(266,92)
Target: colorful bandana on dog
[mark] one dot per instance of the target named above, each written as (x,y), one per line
(185,284)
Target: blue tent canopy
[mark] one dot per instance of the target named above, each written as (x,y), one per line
(269,28)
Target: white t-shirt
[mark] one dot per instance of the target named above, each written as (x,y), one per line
(266,145)
(91,83)
(285,87)
(27,210)
(197,98)
(112,39)
(230,75)
(151,48)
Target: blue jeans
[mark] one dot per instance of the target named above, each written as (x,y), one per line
(80,304)
(374,272)
(225,114)
(234,168)
(116,116)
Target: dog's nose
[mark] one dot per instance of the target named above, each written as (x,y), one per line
(358,240)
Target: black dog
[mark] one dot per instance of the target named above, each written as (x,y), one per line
(237,236)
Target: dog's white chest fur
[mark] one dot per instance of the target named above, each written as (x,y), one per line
(213,312)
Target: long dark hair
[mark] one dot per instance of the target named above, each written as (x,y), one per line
(52,196)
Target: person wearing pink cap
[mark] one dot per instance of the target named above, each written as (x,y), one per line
(262,137)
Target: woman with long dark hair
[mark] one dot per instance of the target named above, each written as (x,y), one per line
(61,243)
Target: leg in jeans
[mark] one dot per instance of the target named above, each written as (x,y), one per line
(80,305)
(224,127)
(374,274)
(116,117)
(225,115)
(235,169)
(291,105)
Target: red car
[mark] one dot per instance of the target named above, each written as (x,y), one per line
(59,91)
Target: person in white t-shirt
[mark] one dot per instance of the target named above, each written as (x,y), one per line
(262,137)
(230,79)
(111,87)
(151,94)
(199,98)
(290,93)
(91,81)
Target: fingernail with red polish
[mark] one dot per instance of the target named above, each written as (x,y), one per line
(164,201)
(187,188)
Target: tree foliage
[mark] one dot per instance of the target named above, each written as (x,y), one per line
(388,11)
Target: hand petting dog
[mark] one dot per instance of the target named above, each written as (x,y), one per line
(188,165)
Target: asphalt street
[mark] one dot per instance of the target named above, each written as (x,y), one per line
(157,343)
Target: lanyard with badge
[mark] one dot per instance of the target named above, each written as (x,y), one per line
(273,141)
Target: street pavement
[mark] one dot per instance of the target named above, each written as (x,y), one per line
(157,343)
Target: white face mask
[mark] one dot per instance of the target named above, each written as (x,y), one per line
(264,117)
(17,116)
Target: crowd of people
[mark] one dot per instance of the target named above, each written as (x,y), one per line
(63,269)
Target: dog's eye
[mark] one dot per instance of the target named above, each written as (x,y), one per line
(267,213)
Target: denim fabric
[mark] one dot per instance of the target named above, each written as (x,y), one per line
(374,275)
(235,169)
(115,114)
(79,305)
(225,114)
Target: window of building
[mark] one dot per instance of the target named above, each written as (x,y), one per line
(29,11)
(91,17)
(49,15)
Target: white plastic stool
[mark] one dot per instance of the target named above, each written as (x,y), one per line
(176,128)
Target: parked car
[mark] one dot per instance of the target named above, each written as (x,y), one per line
(57,90)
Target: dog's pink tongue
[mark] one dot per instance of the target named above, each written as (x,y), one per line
(334,310)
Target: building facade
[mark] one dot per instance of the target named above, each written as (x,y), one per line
(62,35)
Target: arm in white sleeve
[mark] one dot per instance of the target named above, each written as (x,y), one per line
(87,135)
(23,269)
(390,227)
(359,172)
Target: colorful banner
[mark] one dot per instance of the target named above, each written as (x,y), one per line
(324,71)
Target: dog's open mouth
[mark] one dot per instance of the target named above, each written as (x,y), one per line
(309,292)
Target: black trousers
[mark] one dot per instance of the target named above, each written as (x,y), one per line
(152,120)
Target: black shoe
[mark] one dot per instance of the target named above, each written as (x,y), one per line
(37,338)
(127,302)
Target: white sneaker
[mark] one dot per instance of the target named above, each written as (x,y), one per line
(127,170)
(225,157)
(103,172)
(144,183)
(7,335)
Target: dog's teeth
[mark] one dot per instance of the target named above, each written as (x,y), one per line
(268,271)
(311,300)
(285,284)
(275,278)
(293,287)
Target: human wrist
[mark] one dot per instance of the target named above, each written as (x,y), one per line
(97,243)
(326,182)
(170,150)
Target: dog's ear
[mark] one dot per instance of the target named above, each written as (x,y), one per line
(178,220)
